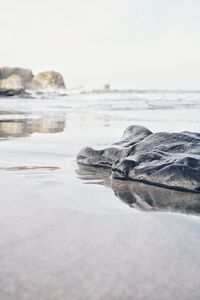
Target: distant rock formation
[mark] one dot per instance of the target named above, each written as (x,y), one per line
(25,75)
(164,159)
(14,81)
(47,80)
(11,86)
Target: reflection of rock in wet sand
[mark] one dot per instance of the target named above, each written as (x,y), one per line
(15,129)
(26,126)
(143,196)
(49,125)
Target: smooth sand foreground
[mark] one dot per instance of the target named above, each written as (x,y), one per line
(51,251)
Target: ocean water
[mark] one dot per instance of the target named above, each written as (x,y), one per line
(73,233)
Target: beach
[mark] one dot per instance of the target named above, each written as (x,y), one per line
(68,233)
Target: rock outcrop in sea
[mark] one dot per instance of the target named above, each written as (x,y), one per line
(14,81)
(11,86)
(47,80)
(25,75)
(164,159)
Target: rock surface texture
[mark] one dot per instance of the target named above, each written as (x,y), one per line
(47,80)
(25,75)
(165,159)
(11,86)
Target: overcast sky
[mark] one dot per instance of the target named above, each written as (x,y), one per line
(127,43)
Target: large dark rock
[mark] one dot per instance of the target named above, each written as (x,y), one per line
(165,159)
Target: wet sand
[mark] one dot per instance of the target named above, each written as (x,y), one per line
(71,234)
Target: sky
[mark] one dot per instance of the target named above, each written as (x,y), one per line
(139,44)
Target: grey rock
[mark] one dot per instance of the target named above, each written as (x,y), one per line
(164,159)
(10,93)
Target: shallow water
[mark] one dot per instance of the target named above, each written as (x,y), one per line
(73,233)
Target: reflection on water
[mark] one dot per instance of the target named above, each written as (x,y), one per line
(143,196)
(21,125)
(26,168)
